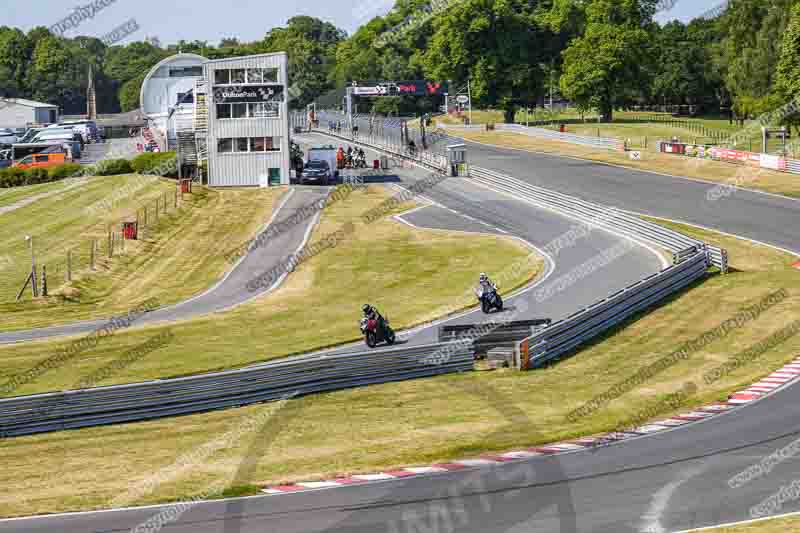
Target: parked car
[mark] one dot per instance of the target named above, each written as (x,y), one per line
(5,158)
(29,134)
(86,128)
(316,171)
(67,133)
(7,137)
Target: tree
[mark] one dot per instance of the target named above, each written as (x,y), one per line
(605,67)
(497,45)
(749,50)
(787,76)
(311,46)
(15,50)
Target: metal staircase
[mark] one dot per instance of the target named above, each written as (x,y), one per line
(200,127)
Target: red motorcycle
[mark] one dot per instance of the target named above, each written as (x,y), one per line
(374,332)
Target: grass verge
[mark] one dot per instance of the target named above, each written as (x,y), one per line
(714,171)
(175,257)
(769,525)
(411,276)
(431,419)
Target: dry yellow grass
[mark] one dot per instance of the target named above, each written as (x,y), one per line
(743,176)
(431,419)
(177,256)
(773,525)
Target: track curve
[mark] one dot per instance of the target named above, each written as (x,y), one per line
(665,482)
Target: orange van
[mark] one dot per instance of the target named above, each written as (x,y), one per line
(41,160)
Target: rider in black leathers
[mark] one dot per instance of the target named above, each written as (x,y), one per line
(370,313)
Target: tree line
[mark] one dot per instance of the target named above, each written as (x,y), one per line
(601,55)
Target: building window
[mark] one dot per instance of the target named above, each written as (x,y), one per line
(249,145)
(185,98)
(255,75)
(264,110)
(241,76)
(252,110)
(237,75)
(223,110)
(222,76)
(185,72)
(225,146)
(257,144)
(239,111)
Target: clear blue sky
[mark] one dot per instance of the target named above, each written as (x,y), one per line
(211,20)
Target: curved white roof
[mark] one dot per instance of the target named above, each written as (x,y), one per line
(165,80)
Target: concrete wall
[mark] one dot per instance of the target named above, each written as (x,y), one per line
(247,169)
(17,115)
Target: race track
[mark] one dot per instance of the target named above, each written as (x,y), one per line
(666,482)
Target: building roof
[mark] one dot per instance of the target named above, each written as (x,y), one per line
(28,103)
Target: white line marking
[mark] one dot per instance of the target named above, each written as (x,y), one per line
(651,520)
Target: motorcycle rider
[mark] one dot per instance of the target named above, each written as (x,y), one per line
(370,313)
(486,285)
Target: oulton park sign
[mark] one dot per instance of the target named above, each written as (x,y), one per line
(250,93)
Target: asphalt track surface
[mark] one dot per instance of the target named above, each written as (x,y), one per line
(665,482)
(458,204)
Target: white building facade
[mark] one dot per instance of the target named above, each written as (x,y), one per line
(235,111)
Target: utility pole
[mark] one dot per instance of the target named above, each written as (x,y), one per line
(34,282)
(469,97)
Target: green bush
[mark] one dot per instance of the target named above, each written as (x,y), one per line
(113,167)
(12,177)
(157,163)
(36,175)
(67,170)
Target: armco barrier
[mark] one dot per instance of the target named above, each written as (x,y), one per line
(42,413)
(691,258)
(567,334)
(597,215)
(488,335)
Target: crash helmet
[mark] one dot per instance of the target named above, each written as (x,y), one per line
(483,277)
(366,308)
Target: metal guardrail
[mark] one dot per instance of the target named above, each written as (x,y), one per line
(793,166)
(565,335)
(488,335)
(691,258)
(40,413)
(592,214)
(681,255)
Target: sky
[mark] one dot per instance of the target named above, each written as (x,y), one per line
(211,20)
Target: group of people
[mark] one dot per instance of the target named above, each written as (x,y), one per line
(352,158)
(335,126)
